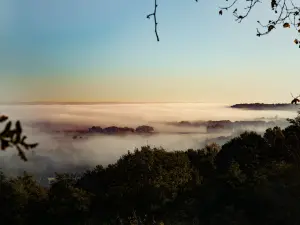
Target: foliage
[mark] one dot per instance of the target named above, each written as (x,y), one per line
(10,137)
(252,179)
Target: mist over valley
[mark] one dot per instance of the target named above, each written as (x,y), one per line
(77,137)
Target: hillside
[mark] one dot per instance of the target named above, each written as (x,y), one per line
(251,179)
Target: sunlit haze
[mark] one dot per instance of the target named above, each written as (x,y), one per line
(106,51)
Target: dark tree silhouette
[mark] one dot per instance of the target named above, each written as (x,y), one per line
(295,99)
(252,179)
(10,137)
(287,14)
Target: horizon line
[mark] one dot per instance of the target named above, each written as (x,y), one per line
(91,102)
(116,102)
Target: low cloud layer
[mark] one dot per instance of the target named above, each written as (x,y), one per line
(58,153)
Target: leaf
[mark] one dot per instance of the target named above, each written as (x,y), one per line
(25,146)
(3,118)
(17,138)
(18,132)
(6,129)
(220,12)
(271,27)
(4,144)
(23,139)
(18,127)
(273,4)
(286,25)
(32,145)
(21,153)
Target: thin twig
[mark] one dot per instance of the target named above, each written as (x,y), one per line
(228,7)
(154,16)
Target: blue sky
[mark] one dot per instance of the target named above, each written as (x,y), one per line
(94,50)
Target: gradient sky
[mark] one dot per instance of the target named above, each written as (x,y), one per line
(96,50)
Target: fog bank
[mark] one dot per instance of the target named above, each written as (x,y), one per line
(58,153)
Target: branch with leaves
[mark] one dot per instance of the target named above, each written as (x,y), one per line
(12,137)
(288,15)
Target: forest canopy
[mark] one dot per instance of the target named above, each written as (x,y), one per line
(252,179)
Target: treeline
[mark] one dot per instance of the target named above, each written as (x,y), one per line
(252,179)
(264,106)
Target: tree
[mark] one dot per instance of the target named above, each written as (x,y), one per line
(21,196)
(287,14)
(252,179)
(67,204)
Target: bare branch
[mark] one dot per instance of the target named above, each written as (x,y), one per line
(154,16)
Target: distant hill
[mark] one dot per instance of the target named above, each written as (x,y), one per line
(263,106)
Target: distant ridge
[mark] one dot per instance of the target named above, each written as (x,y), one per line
(263,106)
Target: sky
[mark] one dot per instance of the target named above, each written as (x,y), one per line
(106,51)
